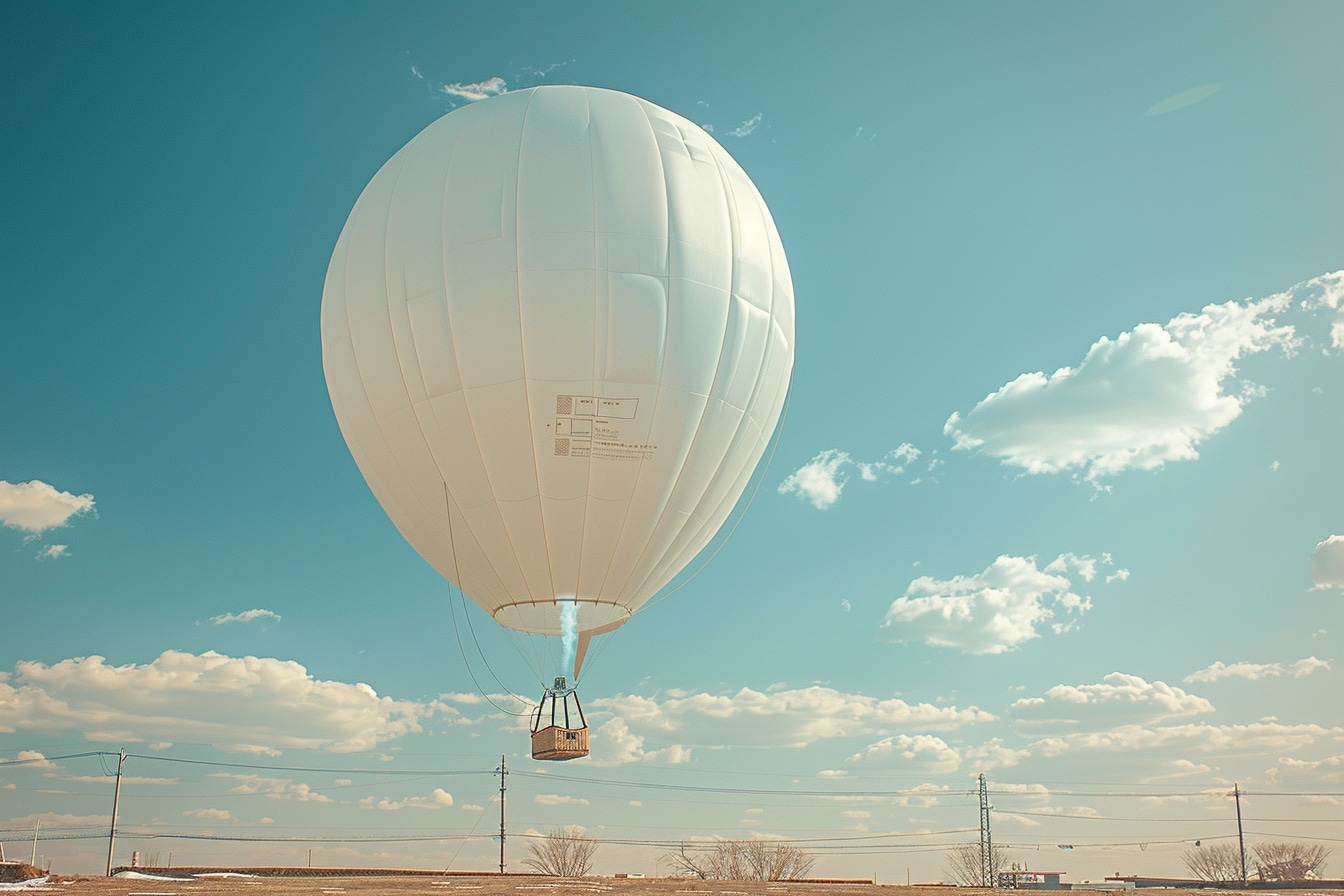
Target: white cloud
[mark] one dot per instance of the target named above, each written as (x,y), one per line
(273,788)
(615,744)
(557,799)
(1255,671)
(920,754)
(248,704)
(1118,699)
(1327,564)
(209,814)
(125,779)
(34,759)
(1325,291)
(35,507)
(1258,736)
(53,820)
(993,754)
(923,796)
(1136,402)
(992,611)
(1181,768)
(822,479)
(748,126)
(245,616)
(53,551)
(478,91)
(751,718)
(438,799)
(1307,774)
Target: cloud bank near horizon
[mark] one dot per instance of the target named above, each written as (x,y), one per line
(249,704)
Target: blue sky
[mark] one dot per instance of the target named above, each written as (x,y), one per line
(1058,499)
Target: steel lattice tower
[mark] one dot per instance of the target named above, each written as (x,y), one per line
(987,876)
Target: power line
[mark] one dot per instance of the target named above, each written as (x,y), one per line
(1001,791)
(1155,818)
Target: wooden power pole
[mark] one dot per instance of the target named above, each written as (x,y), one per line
(1241,841)
(116,799)
(503,772)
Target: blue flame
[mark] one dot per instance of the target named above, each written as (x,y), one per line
(569,632)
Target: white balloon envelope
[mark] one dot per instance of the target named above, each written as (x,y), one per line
(557,332)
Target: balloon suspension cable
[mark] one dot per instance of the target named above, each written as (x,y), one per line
(461,649)
(467,615)
(779,432)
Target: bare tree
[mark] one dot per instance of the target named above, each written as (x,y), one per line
(1216,862)
(773,860)
(963,865)
(563,852)
(690,862)
(1281,860)
(742,860)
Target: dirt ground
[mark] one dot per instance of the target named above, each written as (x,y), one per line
(488,885)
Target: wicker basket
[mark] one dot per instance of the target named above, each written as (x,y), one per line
(554,742)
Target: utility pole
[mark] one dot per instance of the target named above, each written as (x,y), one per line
(36,827)
(987,875)
(502,771)
(116,799)
(1241,842)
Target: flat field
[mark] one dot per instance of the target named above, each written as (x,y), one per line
(493,885)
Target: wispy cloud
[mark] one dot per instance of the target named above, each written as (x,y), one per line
(993,611)
(1255,671)
(747,127)
(245,616)
(1183,99)
(1327,564)
(479,91)
(1325,292)
(1310,774)
(1265,736)
(1150,396)
(558,799)
(822,480)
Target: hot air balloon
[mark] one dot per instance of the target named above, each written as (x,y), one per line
(558,334)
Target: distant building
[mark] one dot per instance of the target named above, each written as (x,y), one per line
(1022,879)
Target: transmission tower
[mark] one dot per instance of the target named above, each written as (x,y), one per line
(987,876)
